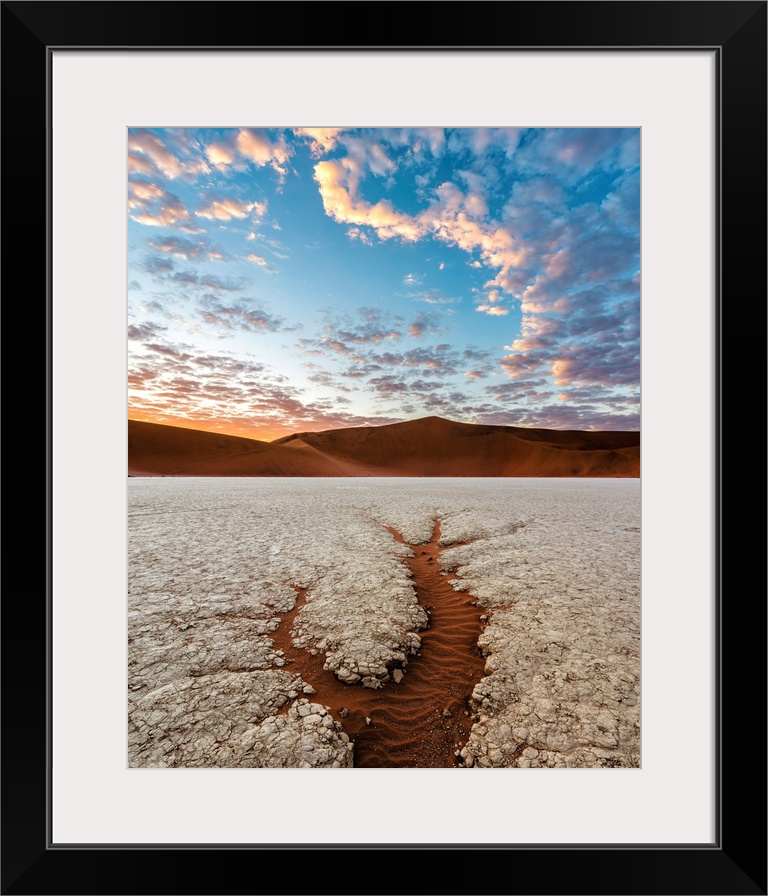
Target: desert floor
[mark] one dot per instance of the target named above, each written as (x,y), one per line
(336,622)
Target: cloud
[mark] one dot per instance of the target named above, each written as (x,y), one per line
(152,147)
(255,145)
(148,154)
(164,269)
(327,380)
(433,360)
(391,385)
(572,154)
(156,265)
(338,181)
(145,331)
(557,415)
(227,209)
(561,238)
(354,233)
(475,354)
(170,351)
(187,249)
(221,154)
(368,326)
(322,140)
(479,141)
(138,164)
(452,217)
(424,323)
(533,388)
(149,204)
(434,297)
(240,317)
(589,364)
(171,383)
(140,192)
(494,310)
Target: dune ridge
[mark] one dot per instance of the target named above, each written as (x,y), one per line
(430,446)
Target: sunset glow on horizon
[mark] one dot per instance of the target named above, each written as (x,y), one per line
(308,279)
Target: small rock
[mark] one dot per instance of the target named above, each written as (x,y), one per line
(447,714)
(367,721)
(344,712)
(398,676)
(308,689)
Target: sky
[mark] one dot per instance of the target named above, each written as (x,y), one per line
(305,279)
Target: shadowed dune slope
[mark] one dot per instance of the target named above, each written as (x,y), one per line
(433,446)
(155,449)
(430,446)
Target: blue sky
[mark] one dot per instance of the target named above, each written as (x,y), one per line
(317,278)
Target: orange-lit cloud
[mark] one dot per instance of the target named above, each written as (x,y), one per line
(254,144)
(454,217)
(149,204)
(322,139)
(149,154)
(493,310)
(227,209)
(220,154)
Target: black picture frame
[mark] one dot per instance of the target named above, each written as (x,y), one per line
(735,863)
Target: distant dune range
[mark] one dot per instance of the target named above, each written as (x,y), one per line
(431,446)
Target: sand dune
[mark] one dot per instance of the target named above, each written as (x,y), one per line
(431,446)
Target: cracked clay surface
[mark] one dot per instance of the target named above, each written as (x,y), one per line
(216,568)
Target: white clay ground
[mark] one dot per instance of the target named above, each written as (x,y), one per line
(212,563)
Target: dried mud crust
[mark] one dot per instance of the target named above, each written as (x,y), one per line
(415,714)
(215,572)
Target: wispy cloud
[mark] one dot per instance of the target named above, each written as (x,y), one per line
(148,154)
(493,310)
(240,317)
(538,228)
(322,140)
(225,209)
(255,145)
(149,204)
(355,233)
(188,249)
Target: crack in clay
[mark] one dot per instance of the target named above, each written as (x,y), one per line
(424,719)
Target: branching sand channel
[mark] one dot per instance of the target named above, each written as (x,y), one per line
(422,718)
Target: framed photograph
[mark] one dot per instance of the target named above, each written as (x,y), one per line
(674,93)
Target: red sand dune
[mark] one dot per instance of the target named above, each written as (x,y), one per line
(431,446)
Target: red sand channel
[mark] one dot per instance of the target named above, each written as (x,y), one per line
(422,721)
